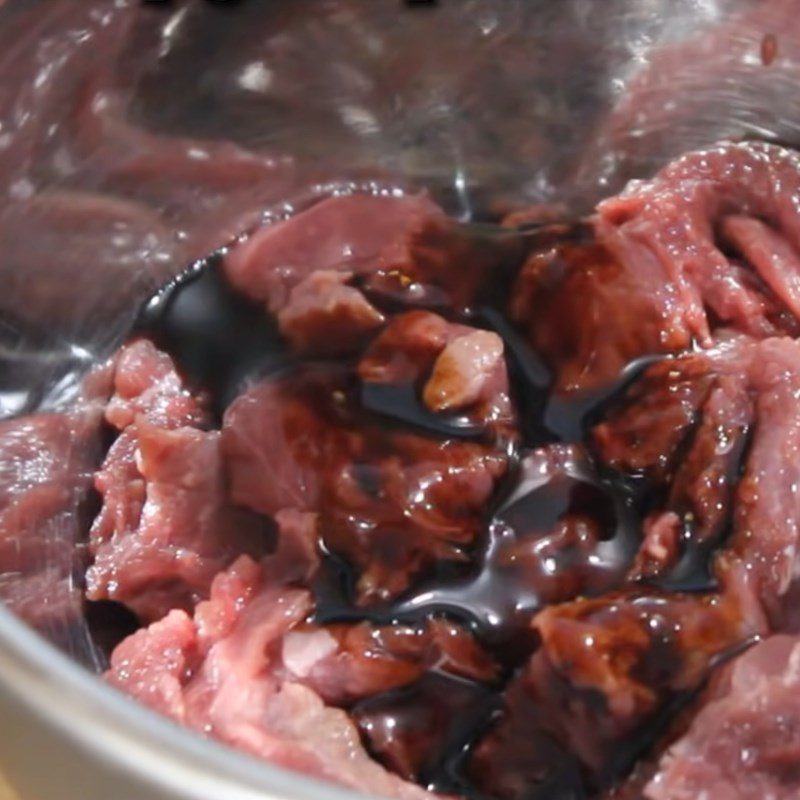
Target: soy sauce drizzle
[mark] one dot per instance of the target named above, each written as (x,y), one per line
(499,603)
(400,403)
(570,418)
(222,341)
(218,337)
(433,723)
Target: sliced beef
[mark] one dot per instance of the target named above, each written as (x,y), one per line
(464,372)
(520,758)
(643,434)
(589,313)
(217,674)
(356,233)
(684,427)
(591,700)
(712,240)
(673,220)
(766,523)
(745,741)
(391,502)
(449,367)
(636,650)
(165,528)
(560,533)
(296,557)
(343,663)
(300,268)
(166,555)
(421,730)
(558,530)
(262,430)
(324,315)
(462,267)
(729,421)
(146,383)
(330,272)
(406,351)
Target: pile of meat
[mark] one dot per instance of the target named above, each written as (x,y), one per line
(418,507)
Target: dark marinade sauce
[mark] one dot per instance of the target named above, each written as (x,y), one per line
(221,341)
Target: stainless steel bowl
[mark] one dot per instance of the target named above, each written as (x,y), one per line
(491,104)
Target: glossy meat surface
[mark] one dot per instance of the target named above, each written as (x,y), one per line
(485,608)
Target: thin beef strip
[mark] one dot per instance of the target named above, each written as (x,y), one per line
(588,701)
(292,266)
(712,240)
(455,369)
(165,528)
(392,502)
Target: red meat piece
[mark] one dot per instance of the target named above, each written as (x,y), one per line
(745,741)
(219,674)
(391,501)
(165,528)
(356,233)
(712,240)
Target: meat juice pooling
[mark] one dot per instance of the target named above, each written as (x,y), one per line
(616,498)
